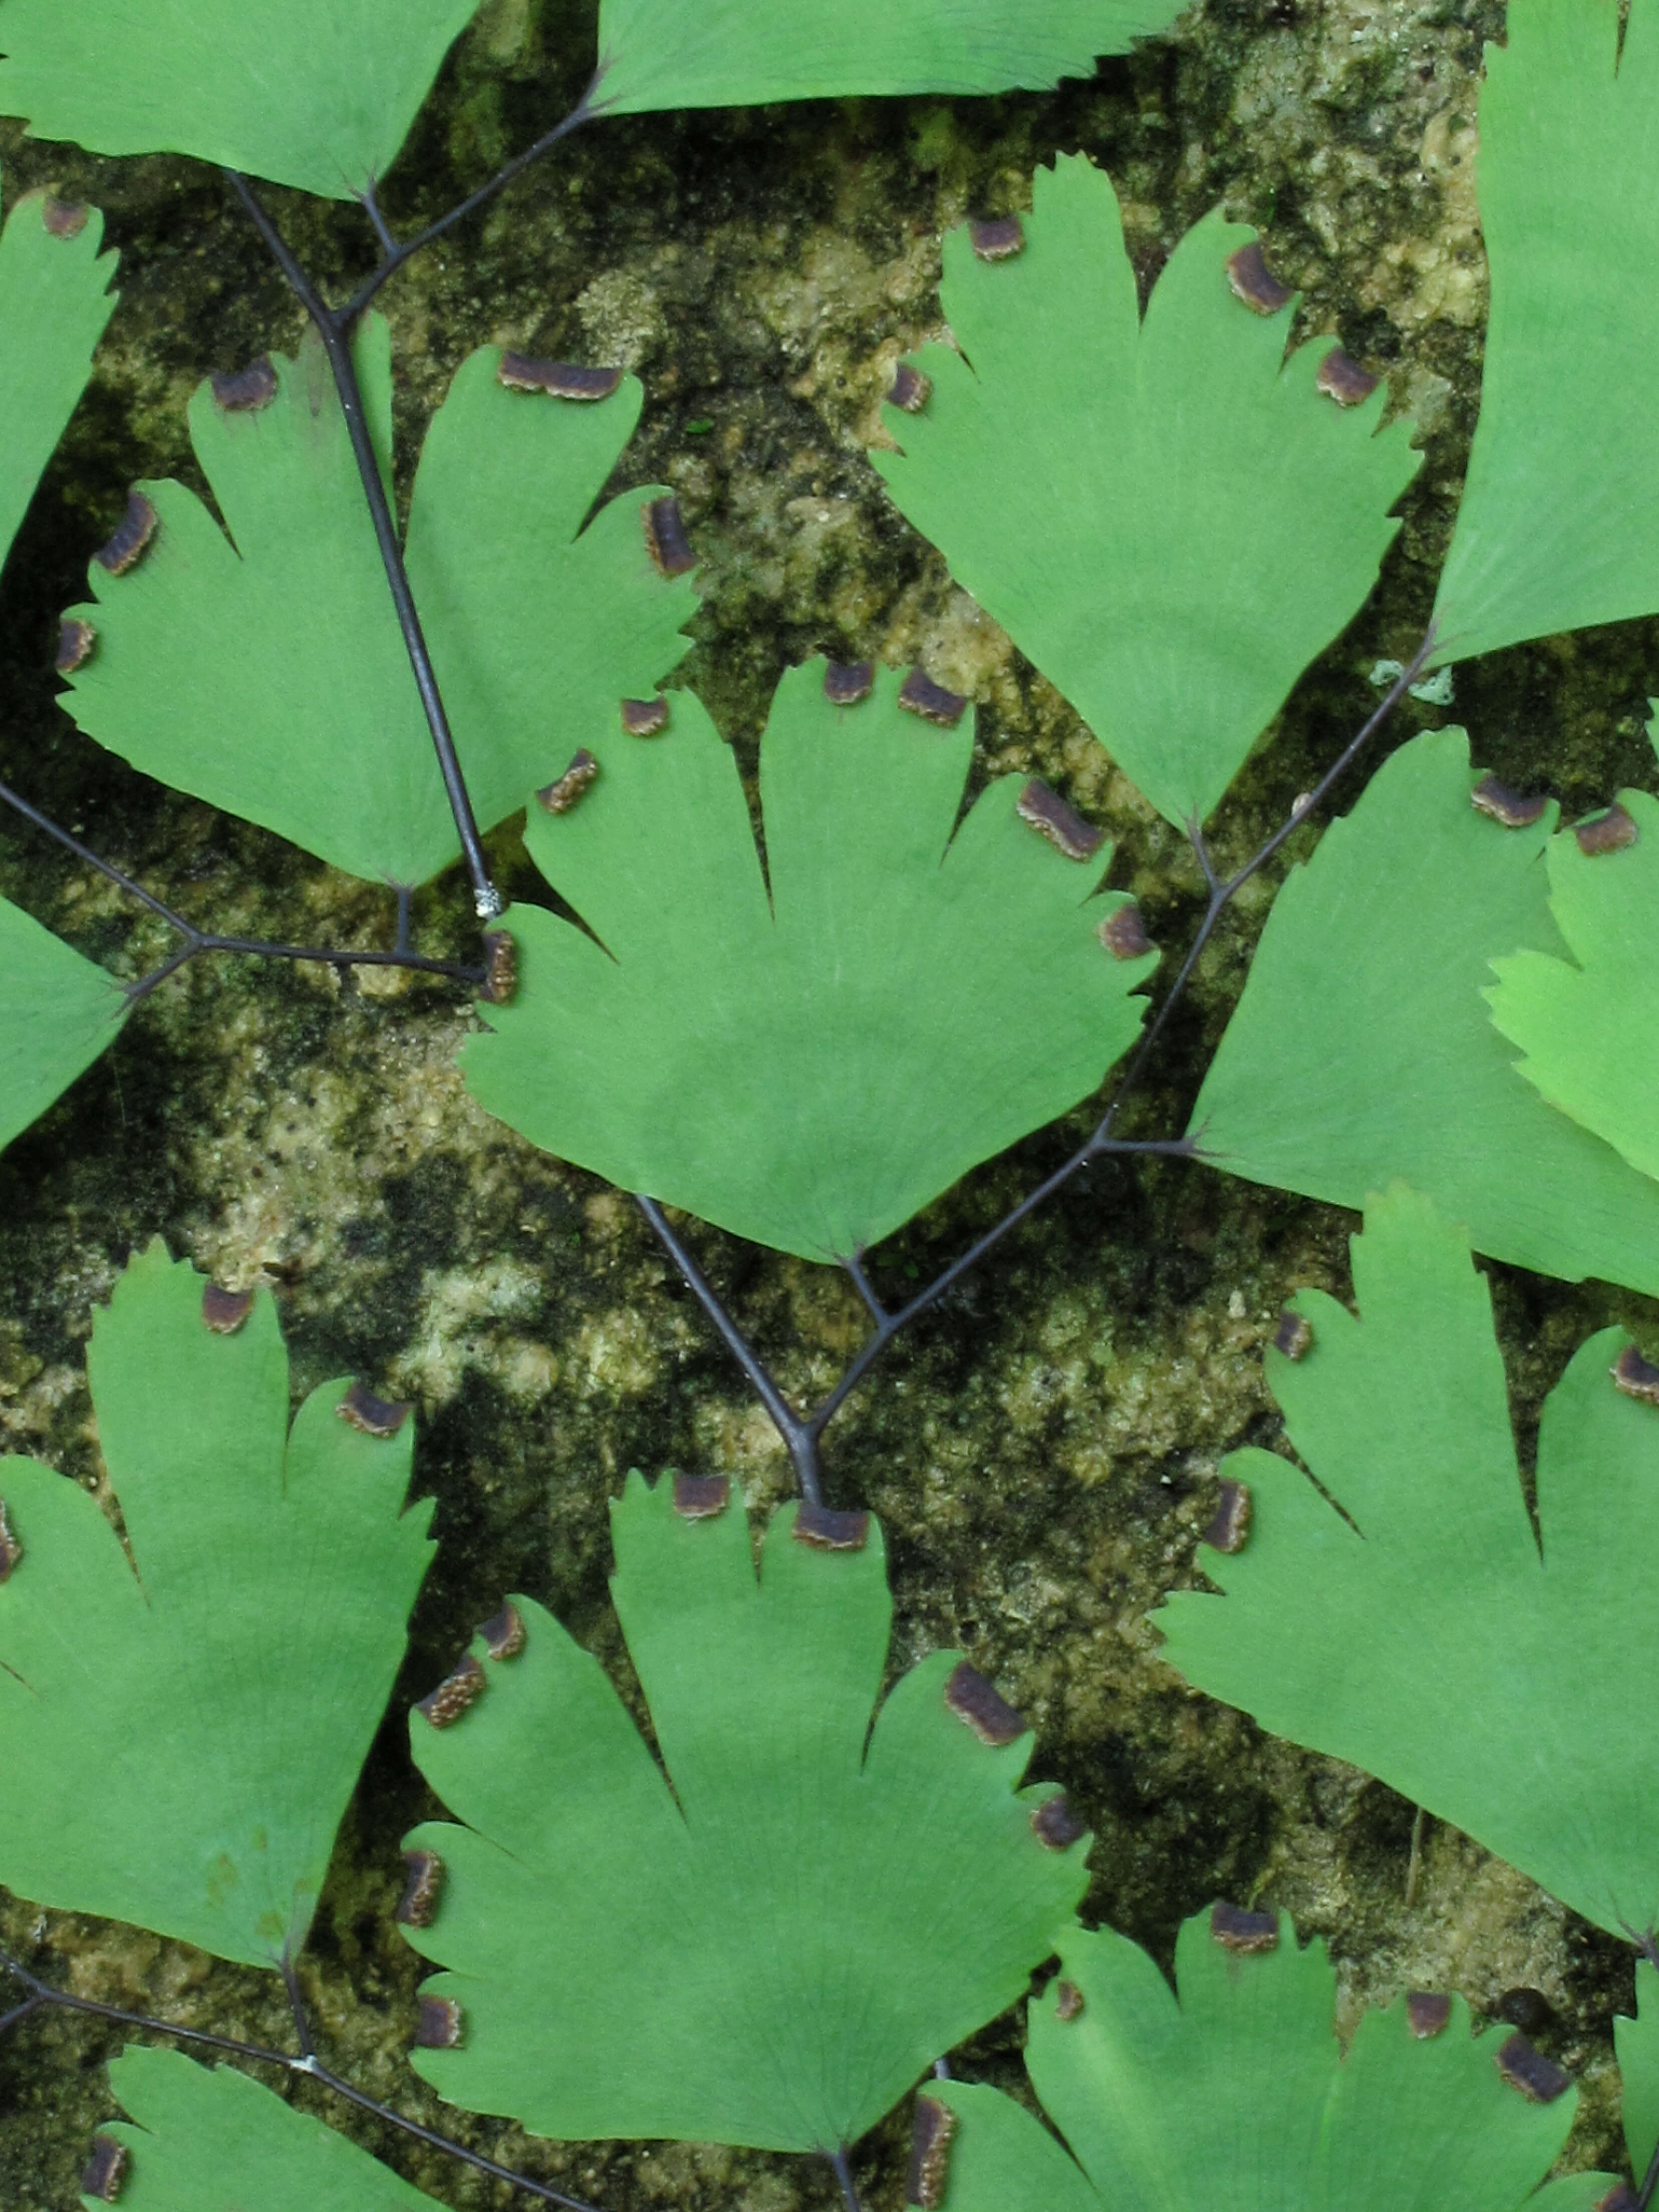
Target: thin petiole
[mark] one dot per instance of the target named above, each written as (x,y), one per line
(106,868)
(371,207)
(841,2165)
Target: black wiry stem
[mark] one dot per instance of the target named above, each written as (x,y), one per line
(42,1994)
(334,328)
(802,1434)
(1650,2182)
(842,2164)
(586,110)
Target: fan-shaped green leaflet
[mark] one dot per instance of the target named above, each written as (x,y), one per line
(769,1946)
(180,1733)
(1165,516)
(727,53)
(1362,1049)
(812,1072)
(265,672)
(1420,1637)
(1588,1028)
(1636,2041)
(1237,2096)
(1557,526)
(200,2139)
(317,94)
(58,1012)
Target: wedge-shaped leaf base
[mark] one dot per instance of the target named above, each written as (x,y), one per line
(768,1944)
(1588,1027)
(1362,1049)
(179,1743)
(54,301)
(204,2139)
(1167,517)
(58,1012)
(1557,528)
(265,672)
(1636,2041)
(1421,1638)
(317,94)
(731,53)
(809,1071)
(1237,2093)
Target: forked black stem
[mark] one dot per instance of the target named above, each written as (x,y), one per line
(802,1433)
(42,1994)
(334,327)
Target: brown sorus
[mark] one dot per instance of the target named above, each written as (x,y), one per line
(1254,283)
(1230,1528)
(999,238)
(827,1531)
(846,682)
(501,981)
(76,639)
(1510,807)
(1048,814)
(931,2126)
(1124,935)
(63,218)
(1340,378)
(136,527)
(972,1700)
(375,1417)
(564,380)
(444,1706)
(424,1883)
(910,390)
(1426,2013)
(1237,1930)
(666,537)
(701,1496)
(10,1550)
(1636,1377)
(107,2169)
(438,2027)
(1605,833)
(1293,1336)
(1069,2001)
(1055,1825)
(644,718)
(1525,2068)
(1617,2199)
(224,1311)
(919,694)
(504,1633)
(245,390)
(561,795)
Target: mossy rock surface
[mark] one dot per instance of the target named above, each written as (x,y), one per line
(1042,1451)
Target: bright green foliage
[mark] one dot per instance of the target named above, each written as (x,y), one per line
(1237,2099)
(731,53)
(1589,1032)
(179,1742)
(58,1012)
(1637,2044)
(213,2140)
(316,93)
(55,300)
(1362,1049)
(810,1072)
(1166,517)
(773,1950)
(1557,527)
(268,675)
(1427,1643)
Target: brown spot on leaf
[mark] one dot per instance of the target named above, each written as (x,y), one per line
(973,1699)
(247,389)
(910,390)
(665,538)
(504,1633)
(1237,1930)
(1069,2001)
(1294,1335)
(1426,2013)
(63,218)
(931,2126)
(846,682)
(644,718)
(1636,1377)
(438,2027)
(1255,284)
(1539,2080)
(501,981)
(999,240)
(1055,1825)
(701,1496)
(375,1417)
(561,795)
(133,537)
(1605,833)
(107,2169)
(1124,935)
(422,1886)
(1230,1528)
(76,639)
(457,1692)
(11,1551)
(1339,377)
(1067,831)
(827,1531)
(919,694)
(1510,807)
(563,379)
(224,1311)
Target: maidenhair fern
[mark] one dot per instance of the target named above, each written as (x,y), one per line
(811,1069)
(1405,1621)
(1236,2091)
(1167,516)
(1362,1049)
(768,1939)
(265,671)
(182,1728)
